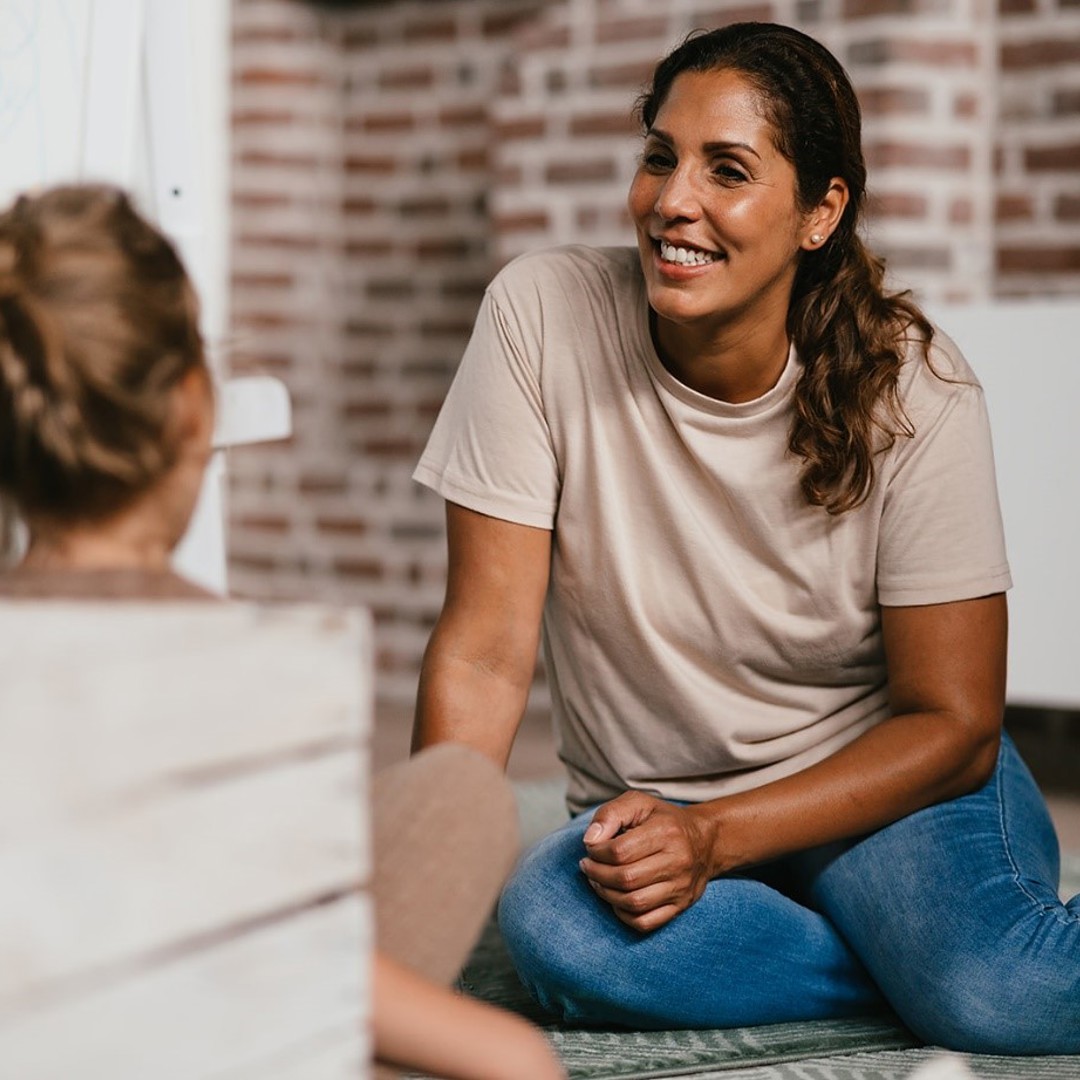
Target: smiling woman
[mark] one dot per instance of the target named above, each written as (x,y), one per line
(749,498)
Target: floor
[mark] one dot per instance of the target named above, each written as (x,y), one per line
(533,757)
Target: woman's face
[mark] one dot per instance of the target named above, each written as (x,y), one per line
(714,203)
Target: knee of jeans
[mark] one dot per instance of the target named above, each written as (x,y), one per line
(549,939)
(1002,1006)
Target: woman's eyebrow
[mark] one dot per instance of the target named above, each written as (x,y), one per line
(709,147)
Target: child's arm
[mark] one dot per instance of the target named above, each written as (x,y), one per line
(420,1025)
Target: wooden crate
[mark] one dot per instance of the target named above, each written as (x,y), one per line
(184,841)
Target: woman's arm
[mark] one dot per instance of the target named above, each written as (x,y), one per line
(480,661)
(419,1025)
(946,672)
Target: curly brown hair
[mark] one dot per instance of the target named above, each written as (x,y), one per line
(97,321)
(851,335)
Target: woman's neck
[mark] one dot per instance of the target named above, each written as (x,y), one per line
(120,543)
(732,364)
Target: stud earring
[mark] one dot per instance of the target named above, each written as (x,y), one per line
(816,238)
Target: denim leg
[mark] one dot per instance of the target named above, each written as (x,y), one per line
(955,912)
(743,954)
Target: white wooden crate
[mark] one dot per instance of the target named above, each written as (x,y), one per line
(184,841)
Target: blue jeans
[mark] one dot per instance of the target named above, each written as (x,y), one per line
(949,916)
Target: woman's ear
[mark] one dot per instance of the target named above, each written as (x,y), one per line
(824,218)
(192,418)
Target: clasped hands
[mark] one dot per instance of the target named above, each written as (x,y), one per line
(648,859)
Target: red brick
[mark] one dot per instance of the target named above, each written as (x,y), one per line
(367,569)
(358,205)
(893,204)
(276,77)
(446,327)
(1016,7)
(390,289)
(427,206)
(284,241)
(580,172)
(865,9)
(277,159)
(396,121)
(360,37)
(1066,102)
(918,155)
(431,30)
(1041,260)
(473,160)
(445,247)
(1067,208)
(417,78)
(263,523)
(949,54)
(368,328)
(525,221)
(263,279)
(270,35)
(521,127)
(323,484)
(393,448)
(646,28)
(1013,208)
(341,526)
(246,118)
(1052,158)
(365,410)
(260,200)
(894,101)
(370,166)
(460,116)
(1047,52)
(368,248)
(500,24)
(611,123)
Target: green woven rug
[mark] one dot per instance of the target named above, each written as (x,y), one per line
(870,1048)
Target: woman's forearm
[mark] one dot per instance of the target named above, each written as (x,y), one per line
(902,765)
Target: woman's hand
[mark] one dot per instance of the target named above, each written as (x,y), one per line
(648,859)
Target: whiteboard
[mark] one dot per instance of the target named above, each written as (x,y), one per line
(1025,354)
(55,53)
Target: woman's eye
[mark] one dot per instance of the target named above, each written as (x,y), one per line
(657,160)
(729,173)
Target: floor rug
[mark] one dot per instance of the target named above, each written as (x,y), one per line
(871,1048)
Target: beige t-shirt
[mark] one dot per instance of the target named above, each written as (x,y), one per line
(706,630)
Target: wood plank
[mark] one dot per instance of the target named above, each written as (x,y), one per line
(280,997)
(98,698)
(90,892)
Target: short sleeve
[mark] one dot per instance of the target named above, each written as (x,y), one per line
(491,449)
(941,536)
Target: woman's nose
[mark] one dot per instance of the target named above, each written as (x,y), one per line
(677,198)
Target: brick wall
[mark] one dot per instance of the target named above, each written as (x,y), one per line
(387,160)
(1037,207)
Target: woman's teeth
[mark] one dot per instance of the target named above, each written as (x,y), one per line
(685,256)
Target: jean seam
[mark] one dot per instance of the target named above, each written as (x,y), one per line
(1058,910)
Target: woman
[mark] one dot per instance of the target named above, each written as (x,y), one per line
(106,415)
(751,496)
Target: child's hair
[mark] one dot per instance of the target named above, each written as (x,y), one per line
(97,322)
